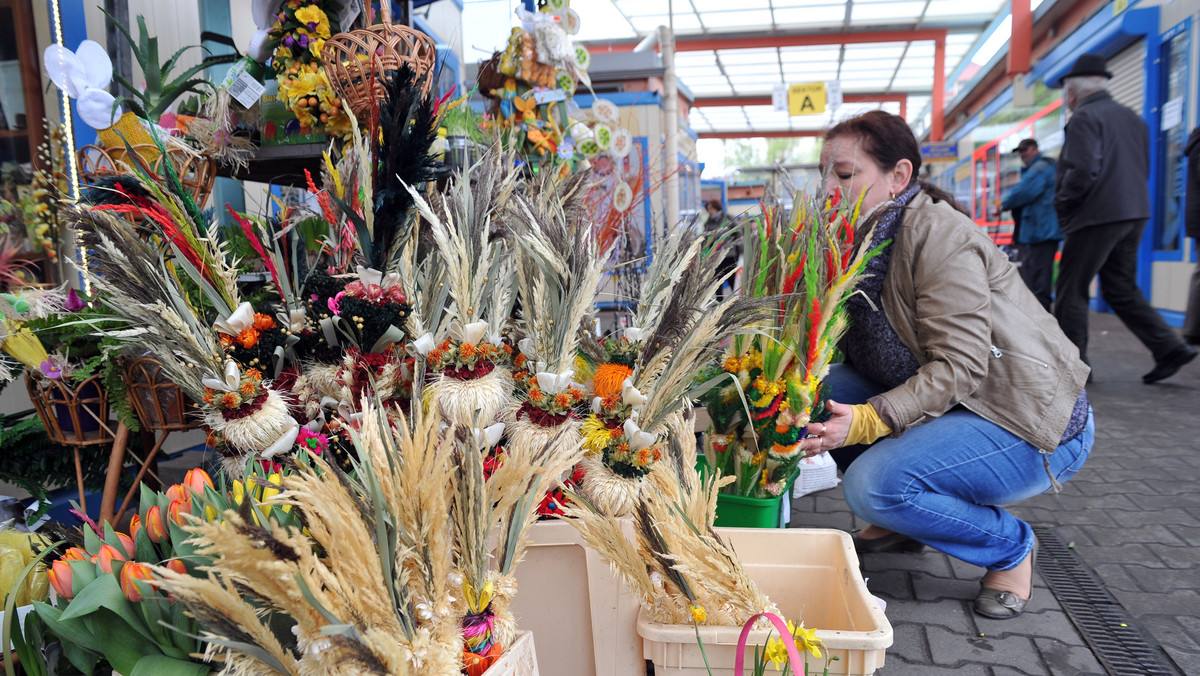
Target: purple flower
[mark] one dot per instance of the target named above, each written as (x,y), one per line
(74,302)
(50,369)
(312,25)
(303,42)
(289,41)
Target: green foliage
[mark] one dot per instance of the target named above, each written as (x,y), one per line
(462,120)
(73,335)
(35,464)
(161,90)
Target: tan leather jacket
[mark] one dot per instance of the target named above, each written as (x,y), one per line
(982,338)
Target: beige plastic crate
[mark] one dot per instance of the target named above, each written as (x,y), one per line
(809,573)
(579,610)
(519,660)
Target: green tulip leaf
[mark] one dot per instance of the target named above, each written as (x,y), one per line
(121,650)
(104,594)
(161,665)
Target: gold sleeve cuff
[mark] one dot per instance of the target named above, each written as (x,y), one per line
(866,426)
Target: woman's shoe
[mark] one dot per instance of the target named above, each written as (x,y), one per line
(894,543)
(1005,605)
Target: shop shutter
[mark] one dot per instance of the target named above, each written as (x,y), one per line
(1128,69)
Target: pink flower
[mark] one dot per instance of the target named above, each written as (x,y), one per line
(333,303)
(74,302)
(374,293)
(355,289)
(397,295)
(315,443)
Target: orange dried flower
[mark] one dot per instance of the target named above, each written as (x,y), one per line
(609,378)
(209,395)
(248,338)
(226,339)
(263,322)
(230,400)
(535,395)
(562,400)
(466,351)
(253,374)
(248,388)
(519,360)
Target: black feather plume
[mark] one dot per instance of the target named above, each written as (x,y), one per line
(408,130)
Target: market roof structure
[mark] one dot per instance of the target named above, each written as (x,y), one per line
(883,52)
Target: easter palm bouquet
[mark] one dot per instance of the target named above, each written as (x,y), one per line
(768,385)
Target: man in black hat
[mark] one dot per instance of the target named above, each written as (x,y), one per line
(1036,237)
(1103,203)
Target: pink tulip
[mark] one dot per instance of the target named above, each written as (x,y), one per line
(108,554)
(61,577)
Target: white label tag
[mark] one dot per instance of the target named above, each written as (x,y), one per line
(246,90)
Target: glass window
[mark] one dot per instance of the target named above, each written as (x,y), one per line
(1171,186)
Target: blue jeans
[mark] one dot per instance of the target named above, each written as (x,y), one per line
(941,483)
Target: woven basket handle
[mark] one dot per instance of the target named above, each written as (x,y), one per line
(385,8)
(781,627)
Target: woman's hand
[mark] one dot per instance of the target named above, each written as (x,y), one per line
(831,434)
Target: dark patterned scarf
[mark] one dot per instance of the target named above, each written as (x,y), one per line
(871,344)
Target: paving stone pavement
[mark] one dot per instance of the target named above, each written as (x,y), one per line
(1132,514)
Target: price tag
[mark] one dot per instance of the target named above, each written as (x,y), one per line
(246,90)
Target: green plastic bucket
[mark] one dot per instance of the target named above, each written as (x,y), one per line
(742,512)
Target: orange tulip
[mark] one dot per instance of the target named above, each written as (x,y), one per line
(135,524)
(177,492)
(196,479)
(61,577)
(75,554)
(177,509)
(155,528)
(127,545)
(107,555)
(176,566)
(131,573)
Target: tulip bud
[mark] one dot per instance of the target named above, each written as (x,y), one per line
(127,545)
(177,509)
(155,528)
(135,524)
(107,555)
(131,573)
(75,554)
(176,566)
(196,479)
(177,492)
(239,492)
(61,577)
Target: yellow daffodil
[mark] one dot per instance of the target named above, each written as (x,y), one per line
(698,614)
(314,47)
(806,639)
(314,20)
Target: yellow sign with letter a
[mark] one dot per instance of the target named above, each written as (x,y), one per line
(807,99)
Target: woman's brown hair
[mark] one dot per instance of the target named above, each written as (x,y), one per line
(887,139)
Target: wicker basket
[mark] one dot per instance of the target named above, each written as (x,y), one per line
(196,171)
(161,406)
(74,414)
(357,63)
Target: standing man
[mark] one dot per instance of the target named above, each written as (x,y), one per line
(1031,202)
(1103,203)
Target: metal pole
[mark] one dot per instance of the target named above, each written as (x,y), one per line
(666,43)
